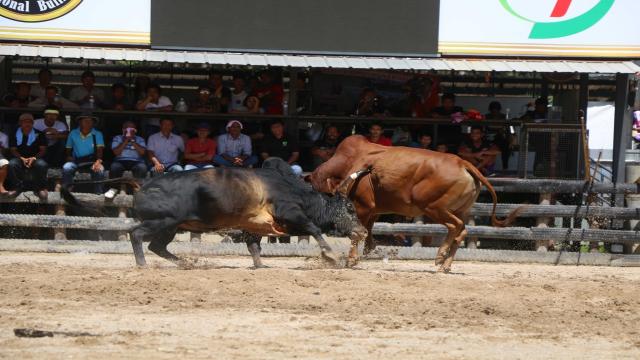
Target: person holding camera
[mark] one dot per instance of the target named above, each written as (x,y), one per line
(85,147)
(129,150)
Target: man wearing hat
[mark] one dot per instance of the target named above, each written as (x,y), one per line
(234,147)
(199,151)
(85,147)
(28,147)
(204,103)
(56,133)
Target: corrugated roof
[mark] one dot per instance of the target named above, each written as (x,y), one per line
(315,61)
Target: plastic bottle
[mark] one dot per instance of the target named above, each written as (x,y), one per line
(507,115)
(181,106)
(92,102)
(285,107)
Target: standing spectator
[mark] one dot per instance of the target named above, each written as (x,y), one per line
(270,93)
(163,149)
(220,93)
(28,146)
(234,147)
(279,145)
(478,151)
(21,98)
(495,111)
(56,133)
(447,108)
(427,98)
(118,100)
(324,148)
(425,141)
(370,104)
(44,80)
(85,148)
(154,101)
(376,135)
(129,150)
(84,94)
(238,95)
(4,166)
(539,113)
(204,103)
(199,151)
(52,98)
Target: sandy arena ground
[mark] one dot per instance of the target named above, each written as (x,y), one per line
(225,310)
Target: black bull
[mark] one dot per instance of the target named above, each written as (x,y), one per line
(265,201)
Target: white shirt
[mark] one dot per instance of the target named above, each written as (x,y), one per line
(163,101)
(237,101)
(38,91)
(41,126)
(4,144)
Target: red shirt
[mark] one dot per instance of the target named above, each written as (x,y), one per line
(271,97)
(194,146)
(383,140)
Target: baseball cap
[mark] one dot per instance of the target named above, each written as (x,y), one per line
(203,125)
(232,122)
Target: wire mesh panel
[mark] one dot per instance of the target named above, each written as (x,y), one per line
(557,152)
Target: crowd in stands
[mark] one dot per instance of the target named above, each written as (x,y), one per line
(154,146)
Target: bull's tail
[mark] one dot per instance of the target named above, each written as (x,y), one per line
(477,175)
(93,209)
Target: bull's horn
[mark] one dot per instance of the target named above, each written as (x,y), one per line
(343,188)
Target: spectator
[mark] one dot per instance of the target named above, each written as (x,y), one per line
(154,101)
(52,98)
(234,147)
(478,151)
(376,135)
(238,95)
(539,113)
(21,98)
(447,108)
(199,151)
(495,111)
(220,93)
(425,141)
(279,145)
(44,80)
(204,103)
(4,166)
(129,150)
(84,94)
(270,94)
(56,132)
(85,149)
(324,148)
(163,149)
(370,104)
(252,103)
(401,136)
(119,100)
(427,98)
(442,147)
(28,147)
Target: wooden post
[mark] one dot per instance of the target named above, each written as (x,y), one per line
(59,233)
(543,222)
(472,242)
(122,213)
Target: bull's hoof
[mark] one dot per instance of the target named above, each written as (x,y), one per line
(330,256)
(258,267)
(351,262)
(444,270)
(439,260)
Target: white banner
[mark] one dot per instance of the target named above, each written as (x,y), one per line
(118,22)
(566,28)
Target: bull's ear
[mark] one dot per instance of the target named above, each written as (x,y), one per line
(332,185)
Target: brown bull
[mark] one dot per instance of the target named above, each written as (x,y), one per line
(406,181)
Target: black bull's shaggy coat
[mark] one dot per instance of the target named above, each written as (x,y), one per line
(266,201)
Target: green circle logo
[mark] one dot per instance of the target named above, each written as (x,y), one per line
(563,28)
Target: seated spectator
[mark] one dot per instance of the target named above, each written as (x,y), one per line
(44,80)
(52,98)
(56,133)
(539,113)
(164,148)
(87,95)
(270,93)
(277,144)
(234,147)
(425,141)
(427,99)
(376,135)
(199,151)
(204,103)
(252,104)
(28,147)
(324,148)
(220,93)
(21,98)
(478,151)
(85,150)
(495,111)
(447,108)
(370,104)
(129,150)
(154,101)
(442,147)
(401,136)
(238,95)
(4,166)
(118,100)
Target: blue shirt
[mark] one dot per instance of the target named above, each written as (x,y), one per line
(129,152)
(83,145)
(229,146)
